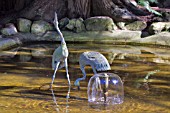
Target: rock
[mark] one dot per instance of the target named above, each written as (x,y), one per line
(103,36)
(40,27)
(10,54)
(76,25)
(8,43)
(24,25)
(158,27)
(51,36)
(121,25)
(136,26)
(9,29)
(167,16)
(100,23)
(162,38)
(25,55)
(63,22)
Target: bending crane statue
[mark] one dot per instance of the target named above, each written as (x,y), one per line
(60,54)
(96,60)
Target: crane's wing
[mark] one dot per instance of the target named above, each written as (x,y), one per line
(96,59)
(56,57)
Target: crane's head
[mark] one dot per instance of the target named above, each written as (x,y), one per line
(55,22)
(77,83)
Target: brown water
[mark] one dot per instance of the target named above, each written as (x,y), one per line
(25,78)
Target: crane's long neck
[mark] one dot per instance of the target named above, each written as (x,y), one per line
(58,30)
(60,35)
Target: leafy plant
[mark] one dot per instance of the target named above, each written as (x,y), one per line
(146,4)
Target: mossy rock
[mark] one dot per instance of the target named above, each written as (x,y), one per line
(136,26)
(40,27)
(24,25)
(100,23)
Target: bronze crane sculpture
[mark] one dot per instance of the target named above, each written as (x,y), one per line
(96,60)
(60,55)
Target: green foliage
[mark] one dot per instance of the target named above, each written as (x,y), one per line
(146,4)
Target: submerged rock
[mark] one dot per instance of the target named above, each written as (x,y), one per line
(24,25)
(100,23)
(40,27)
(24,55)
(41,52)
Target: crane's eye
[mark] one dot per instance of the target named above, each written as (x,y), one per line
(91,57)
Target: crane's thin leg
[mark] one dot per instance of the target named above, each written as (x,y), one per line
(66,66)
(84,75)
(56,68)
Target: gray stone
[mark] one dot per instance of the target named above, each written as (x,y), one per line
(121,25)
(51,36)
(158,27)
(100,23)
(10,54)
(24,25)
(103,36)
(76,25)
(162,38)
(63,22)
(40,27)
(10,29)
(8,43)
(136,26)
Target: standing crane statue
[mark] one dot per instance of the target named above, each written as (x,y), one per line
(60,54)
(96,60)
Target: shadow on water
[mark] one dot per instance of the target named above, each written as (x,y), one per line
(25,76)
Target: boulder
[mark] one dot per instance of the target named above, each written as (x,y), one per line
(9,29)
(100,23)
(76,25)
(24,25)
(136,26)
(162,38)
(63,22)
(158,27)
(40,27)
(8,43)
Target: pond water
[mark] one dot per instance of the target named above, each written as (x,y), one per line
(26,73)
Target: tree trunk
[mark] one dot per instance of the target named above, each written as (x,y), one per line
(119,10)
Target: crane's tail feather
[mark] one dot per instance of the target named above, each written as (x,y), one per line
(103,67)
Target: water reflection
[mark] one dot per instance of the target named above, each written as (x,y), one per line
(58,109)
(23,70)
